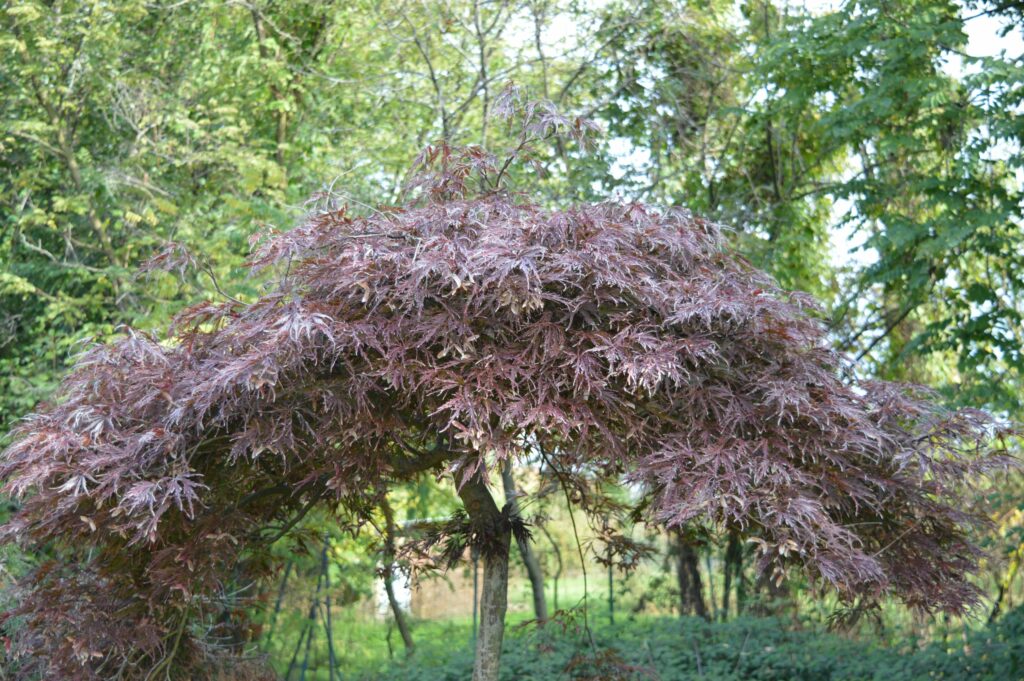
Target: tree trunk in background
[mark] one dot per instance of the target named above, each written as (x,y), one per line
(1005,583)
(691,592)
(277,606)
(733,569)
(773,597)
(741,588)
(389,577)
(533,571)
(484,514)
(558,562)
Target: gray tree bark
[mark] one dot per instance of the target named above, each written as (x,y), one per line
(484,513)
(533,570)
(389,577)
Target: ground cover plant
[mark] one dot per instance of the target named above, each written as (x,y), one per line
(744,649)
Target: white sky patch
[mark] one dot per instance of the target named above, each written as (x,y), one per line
(627,157)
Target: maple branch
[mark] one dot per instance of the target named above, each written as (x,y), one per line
(297,518)
(888,329)
(423,461)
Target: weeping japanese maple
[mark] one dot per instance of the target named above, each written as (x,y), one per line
(449,335)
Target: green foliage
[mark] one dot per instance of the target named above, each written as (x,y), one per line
(870,121)
(695,98)
(745,649)
(116,136)
(931,172)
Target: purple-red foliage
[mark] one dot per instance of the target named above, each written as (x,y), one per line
(464,331)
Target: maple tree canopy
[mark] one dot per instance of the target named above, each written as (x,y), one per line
(452,334)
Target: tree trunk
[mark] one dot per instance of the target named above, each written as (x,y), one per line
(733,569)
(277,606)
(774,595)
(1006,583)
(533,571)
(389,577)
(329,625)
(396,610)
(484,514)
(691,591)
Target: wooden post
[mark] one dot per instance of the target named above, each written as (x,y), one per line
(611,592)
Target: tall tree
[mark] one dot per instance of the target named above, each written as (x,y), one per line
(928,172)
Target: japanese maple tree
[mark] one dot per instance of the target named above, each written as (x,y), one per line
(452,334)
